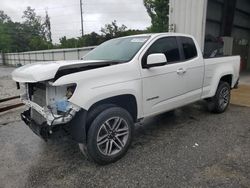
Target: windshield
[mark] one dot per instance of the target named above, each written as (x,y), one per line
(120,49)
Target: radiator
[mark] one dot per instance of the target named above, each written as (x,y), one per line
(38,97)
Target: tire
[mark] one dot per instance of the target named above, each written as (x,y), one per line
(220,102)
(90,118)
(109,135)
(95,112)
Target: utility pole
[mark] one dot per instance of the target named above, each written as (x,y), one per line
(81,17)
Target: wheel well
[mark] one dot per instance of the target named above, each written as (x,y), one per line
(228,79)
(127,101)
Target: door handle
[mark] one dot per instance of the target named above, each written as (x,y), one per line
(181,71)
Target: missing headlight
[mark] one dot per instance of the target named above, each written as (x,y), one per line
(70,91)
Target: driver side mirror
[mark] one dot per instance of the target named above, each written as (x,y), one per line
(155,60)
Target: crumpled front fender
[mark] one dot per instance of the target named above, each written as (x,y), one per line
(77,127)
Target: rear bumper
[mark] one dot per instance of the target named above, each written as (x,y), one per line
(236,84)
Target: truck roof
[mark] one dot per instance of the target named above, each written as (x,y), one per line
(159,34)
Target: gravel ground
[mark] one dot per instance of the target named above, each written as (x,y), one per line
(7,86)
(190,148)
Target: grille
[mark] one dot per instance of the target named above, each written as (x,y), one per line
(38,97)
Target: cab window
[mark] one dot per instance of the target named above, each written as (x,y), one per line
(189,48)
(168,46)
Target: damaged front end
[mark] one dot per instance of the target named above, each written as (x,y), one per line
(49,107)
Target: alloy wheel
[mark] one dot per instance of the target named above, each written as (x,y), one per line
(112,136)
(224,97)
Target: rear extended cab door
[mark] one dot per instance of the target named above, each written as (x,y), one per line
(193,64)
(178,82)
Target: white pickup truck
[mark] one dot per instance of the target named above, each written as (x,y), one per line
(99,99)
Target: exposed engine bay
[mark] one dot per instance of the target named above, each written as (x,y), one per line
(48,103)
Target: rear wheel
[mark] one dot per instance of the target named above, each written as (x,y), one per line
(220,102)
(109,135)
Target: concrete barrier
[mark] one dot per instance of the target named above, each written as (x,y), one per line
(22,58)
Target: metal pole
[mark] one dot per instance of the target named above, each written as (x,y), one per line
(43,57)
(81,17)
(19,59)
(29,58)
(24,59)
(53,56)
(78,53)
(3,58)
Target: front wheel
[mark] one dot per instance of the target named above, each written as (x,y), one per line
(109,135)
(219,103)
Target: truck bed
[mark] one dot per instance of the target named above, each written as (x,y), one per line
(213,68)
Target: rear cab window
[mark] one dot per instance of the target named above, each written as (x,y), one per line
(188,47)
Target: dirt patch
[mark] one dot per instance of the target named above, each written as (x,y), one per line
(241,96)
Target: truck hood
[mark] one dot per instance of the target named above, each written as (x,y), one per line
(37,72)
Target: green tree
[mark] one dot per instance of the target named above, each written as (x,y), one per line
(47,27)
(113,30)
(4,17)
(37,33)
(32,34)
(158,10)
(68,43)
(91,39)
(109,31)
(16,34)
(5,38)
(37,43)
(33,23)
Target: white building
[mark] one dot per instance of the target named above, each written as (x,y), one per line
(225,20)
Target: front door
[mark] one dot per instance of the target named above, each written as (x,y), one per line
(164,86)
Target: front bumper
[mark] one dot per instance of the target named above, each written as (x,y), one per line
(76,127)
(48,113)
(44,130)
(52,119)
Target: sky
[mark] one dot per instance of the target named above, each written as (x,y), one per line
(65,14)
